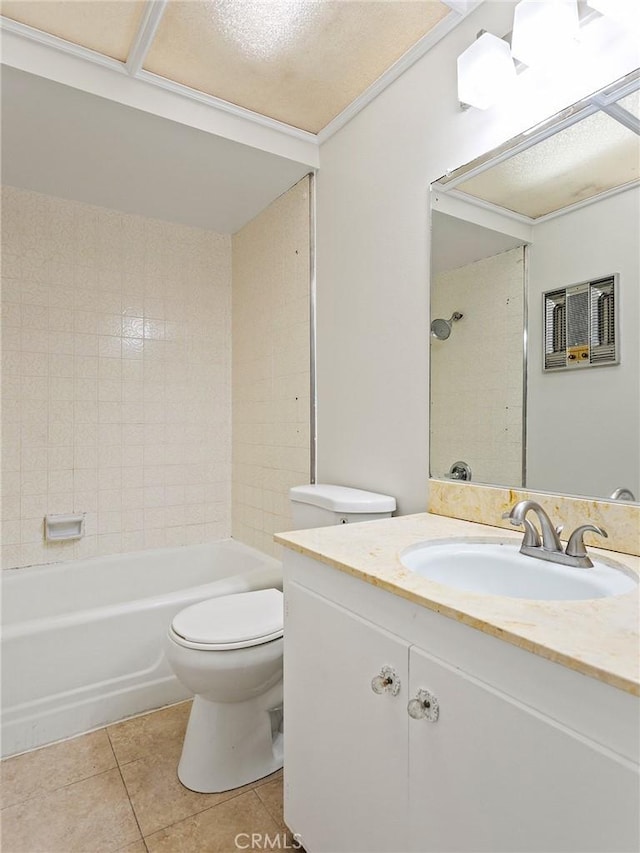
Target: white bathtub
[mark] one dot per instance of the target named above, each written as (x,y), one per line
(82,641)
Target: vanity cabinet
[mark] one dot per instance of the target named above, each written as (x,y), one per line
(493,775)
(481,769)
(345,746)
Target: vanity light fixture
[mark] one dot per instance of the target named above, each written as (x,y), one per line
(486,72)
(624,12)
(548,36)
(543,30)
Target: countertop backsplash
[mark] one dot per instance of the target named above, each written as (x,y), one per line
(486,505)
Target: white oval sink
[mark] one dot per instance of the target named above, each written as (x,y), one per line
(496,567)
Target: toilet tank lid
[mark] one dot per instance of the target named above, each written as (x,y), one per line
(342,498)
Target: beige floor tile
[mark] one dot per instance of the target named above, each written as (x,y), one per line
(136,847)
(157,795)
(216,829)
(158,732)
(279,774)
(87,816)
(55,766)
(271,795)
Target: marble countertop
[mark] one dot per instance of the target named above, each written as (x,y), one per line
(597,637)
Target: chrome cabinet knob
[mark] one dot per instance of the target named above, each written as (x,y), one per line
(424,707)
(386,682)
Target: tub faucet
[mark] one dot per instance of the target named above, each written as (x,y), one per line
(622,494)
(551,547)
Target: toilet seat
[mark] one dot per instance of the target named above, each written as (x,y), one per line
(230,622)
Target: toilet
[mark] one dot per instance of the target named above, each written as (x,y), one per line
(228,652)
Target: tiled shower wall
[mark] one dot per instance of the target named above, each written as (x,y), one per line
(116,379)
(270,367)
(476,374)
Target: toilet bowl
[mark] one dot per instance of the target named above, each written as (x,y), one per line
(228,652)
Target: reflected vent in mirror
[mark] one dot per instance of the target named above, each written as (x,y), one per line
(555,329)
(603,321)
(580,325)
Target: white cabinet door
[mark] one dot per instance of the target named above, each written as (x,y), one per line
(493,775)
(345,746)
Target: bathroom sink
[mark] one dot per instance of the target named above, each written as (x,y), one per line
(496,567)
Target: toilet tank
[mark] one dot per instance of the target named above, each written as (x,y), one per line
(321,505)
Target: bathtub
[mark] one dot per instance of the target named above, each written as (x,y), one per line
(82,641)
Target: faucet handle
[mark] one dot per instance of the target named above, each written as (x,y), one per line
(575,545)
(531,535)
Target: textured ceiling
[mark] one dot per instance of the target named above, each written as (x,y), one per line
(106,26)
(595,155)
(632,103)
(301,62)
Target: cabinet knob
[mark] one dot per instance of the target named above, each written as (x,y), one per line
(424,707)
(386,682)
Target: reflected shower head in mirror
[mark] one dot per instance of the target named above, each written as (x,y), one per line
(441,329)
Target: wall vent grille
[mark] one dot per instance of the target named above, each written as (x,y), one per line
(580,325)
(603,321)
(555,326)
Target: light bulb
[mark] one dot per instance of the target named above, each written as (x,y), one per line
(624,12)
(543,30)
(486,72)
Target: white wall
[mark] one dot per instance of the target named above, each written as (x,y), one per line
(373,270)
(373,263)
(584,425)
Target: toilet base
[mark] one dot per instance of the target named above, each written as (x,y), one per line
(228,745)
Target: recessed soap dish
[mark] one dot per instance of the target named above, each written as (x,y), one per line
(61,527)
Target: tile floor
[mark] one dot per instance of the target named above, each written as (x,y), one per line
(116,789)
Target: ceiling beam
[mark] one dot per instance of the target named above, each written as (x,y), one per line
(153,12)
(30,34)
(462,7)
(619,113)
(75,75)
(69,64)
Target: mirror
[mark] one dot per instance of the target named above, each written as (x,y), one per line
(535,307)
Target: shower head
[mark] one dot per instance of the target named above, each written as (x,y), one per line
(441,329)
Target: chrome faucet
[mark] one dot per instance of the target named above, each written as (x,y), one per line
(622,494)
(551,547)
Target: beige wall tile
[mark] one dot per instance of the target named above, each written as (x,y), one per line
(270,366)
(476,374)
(117,360)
